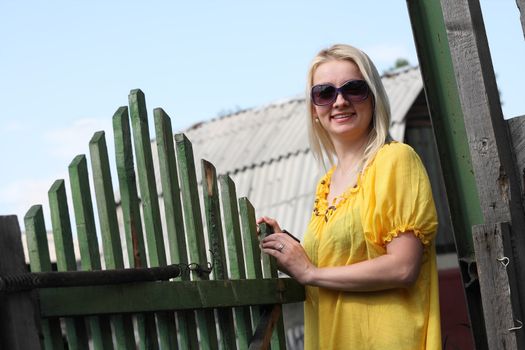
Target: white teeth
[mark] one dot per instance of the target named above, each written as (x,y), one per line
(341,116)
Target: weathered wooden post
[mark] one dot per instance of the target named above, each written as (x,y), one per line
(521,7)
(19,319)
(456,28)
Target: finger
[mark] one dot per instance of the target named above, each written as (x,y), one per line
(273,252)
(279,236)
(270,221)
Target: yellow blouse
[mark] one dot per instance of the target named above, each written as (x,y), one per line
(392,196)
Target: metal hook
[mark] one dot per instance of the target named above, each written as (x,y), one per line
(520,326)
(504,261)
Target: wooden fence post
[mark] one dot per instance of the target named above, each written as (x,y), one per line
(19,318)
(494,282)
(489,141)
(521,7)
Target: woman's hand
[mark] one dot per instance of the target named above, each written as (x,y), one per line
(272,222)
(290,255)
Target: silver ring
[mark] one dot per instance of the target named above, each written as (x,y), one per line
(280,247)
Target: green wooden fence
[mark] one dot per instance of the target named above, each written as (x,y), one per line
(228,296)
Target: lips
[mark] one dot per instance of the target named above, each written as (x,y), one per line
(343,116)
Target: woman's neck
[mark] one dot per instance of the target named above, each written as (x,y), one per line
(349,154)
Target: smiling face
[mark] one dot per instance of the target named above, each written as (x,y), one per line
(344,121)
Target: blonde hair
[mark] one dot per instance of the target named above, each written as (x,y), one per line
(320,142)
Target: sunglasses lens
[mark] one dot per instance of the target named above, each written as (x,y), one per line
(323,94)
(355,90)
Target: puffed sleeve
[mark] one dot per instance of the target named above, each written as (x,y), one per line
(399,197)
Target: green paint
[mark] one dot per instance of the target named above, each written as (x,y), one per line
(66,261)
(39,261)
(170,187)
(177,295)
(235,255)
(194,231)
(88,242)
(216,240)
(148,188)
(132,222)
(449,128)
(113,258)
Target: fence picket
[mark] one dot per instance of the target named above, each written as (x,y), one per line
(122,324)
(150,206)
(174,221)
(216,239)
(194,232)
(63,239)
(270,271)
(39,261)
(131,219)
(252,251)
(235,254)
(88,243)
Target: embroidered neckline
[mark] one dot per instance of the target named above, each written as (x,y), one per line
(321,205)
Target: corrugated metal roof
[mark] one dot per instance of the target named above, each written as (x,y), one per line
(266,152)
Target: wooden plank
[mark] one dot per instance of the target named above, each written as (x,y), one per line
(216,239)
(170,187)
(516,127)
(132,221)
(66,260)
(521,8)
(129,199)
(492,273)
(148,188)
(122,325)
(479,97)
(235,255)
(164,295)
(39,261)
(19,328)
(194,232)
(150,205)
(100,329)
(213,220)
(491,152)
(278,339)
(264,333)
(232,227)
(269,264)
(252,252)
(105,202)
(173,214)
(439,80)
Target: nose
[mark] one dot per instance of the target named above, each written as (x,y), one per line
(340,100)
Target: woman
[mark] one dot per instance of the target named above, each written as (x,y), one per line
(368,261)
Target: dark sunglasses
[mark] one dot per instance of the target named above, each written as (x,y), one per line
(352,90)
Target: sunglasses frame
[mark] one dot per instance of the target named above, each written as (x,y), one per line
(340,90)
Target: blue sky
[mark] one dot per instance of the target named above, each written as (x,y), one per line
(67,66)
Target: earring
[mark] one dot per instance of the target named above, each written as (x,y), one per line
(316,120)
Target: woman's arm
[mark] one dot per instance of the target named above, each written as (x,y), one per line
(398,268)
